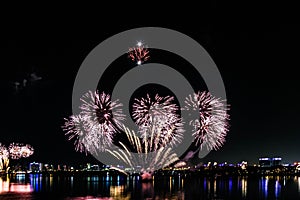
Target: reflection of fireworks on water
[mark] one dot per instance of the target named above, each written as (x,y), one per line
(94,127)
(17,151)
(139,54)
(158,116)
(149,161)
(212,126)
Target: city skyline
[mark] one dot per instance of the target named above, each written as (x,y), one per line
(257,66)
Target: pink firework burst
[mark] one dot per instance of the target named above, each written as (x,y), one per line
(139,53)
(76,127)
(99,119)
(26,151)
(105,115)
(212,126)
(145,109)
(158,117)
(15,151)
(3,152)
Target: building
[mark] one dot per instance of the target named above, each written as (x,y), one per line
(269,162)
(276,161)
(95,168)
(35,167)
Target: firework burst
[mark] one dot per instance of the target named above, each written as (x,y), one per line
(139,53)
(3,152)
(158,117)
(93,129)
(104,114)
(212,126)
(17,151)
(76,128)
(26,151)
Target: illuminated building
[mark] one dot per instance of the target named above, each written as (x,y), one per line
(276,161)
(35,167)
(269,162)
(95,168)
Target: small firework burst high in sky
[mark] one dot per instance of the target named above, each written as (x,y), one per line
(139,53)
(212,126)
(99,119)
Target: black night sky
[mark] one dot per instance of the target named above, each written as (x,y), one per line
(258,64)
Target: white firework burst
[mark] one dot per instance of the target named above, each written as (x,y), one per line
(105,114)
(211,127)
(157,118)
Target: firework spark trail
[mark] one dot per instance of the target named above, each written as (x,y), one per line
(93,129)
(149,161)
(158,117)
(163,130)
(212,126)
(139,53)
(4,164)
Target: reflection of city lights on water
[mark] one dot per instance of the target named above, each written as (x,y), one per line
(208,186)
(116,191)
(230,185)
(204,184)
(36,182)
(299,184)
(72,181)
(91,198)
(244,187)
(170,184)
(277,188)
(20,177)
(215,187)
(264,185)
